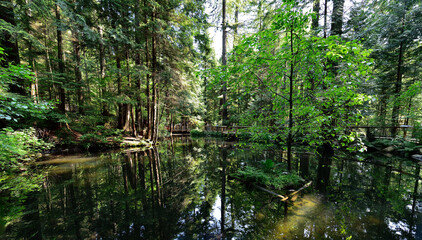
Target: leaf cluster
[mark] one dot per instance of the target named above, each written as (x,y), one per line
(323,75)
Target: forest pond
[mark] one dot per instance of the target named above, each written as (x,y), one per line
(183,190)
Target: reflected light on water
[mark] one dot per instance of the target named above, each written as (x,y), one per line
(216,209)
(64,164)
(397,227)
(68,159)
(300,213)
(177,190)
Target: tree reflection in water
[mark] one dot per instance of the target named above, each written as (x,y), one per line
(183,190)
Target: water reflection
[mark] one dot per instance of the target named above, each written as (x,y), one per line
(183,190)
(325,155)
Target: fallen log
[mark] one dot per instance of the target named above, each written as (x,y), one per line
(300,189)
(283,198)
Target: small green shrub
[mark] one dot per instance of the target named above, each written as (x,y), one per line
(269,174)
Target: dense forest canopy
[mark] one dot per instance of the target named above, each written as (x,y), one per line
(141,65)
(126,63)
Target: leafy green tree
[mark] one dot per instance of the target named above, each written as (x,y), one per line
(291,66)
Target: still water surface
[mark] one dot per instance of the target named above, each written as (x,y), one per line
(182,190)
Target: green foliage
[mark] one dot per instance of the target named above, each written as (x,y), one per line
(269,174)
(86,123)
(196,133)
(268,164)
(393,29)
(20,110)
(323,76)
(16,109)
(18,149)
(261,135)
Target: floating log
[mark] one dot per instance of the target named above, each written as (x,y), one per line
(283,198)
(136,142)
(300,189)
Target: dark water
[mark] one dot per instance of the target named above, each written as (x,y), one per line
(182,190)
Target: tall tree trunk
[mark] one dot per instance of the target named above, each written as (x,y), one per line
(409,110)
(132,112)
(127,107)
(325,17)
(120,114)
(397,89)
(315,19)
(138,64)
(337,18)
(34,84)
(62,92)
(149,104)
(224,62)
(259,16)
(382,105)
(157,110)
(236,24)
(290,135)
(126,116)
(88,87)
(147,90)
(155,103)
(77,69)
(31,55)
(48,66)
(104,109)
